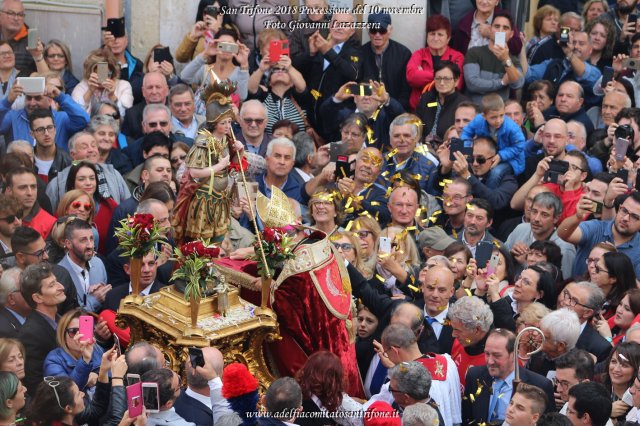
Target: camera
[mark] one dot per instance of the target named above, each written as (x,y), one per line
(624,131)
(212,11)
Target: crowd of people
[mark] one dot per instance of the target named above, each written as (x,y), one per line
(484,184)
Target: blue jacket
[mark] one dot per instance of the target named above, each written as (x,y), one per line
(71,118)
(510,140)
(417,164)
(60,363)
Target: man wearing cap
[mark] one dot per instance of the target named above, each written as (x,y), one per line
(433,242)
(384,59)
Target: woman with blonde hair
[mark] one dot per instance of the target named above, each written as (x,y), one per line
(398,268)
(75,356)
(545,25)
(12,356)
(594,8)
(368,230)
(325,211)
(349,246)
(58,58)
(92,90)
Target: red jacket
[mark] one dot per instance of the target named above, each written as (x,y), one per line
(420,71)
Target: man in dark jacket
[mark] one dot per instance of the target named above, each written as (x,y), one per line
(331,62)
(49,160)
(383,59)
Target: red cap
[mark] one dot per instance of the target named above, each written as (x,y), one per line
(380,413)
(237,381)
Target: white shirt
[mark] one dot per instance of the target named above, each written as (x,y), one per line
(206,400)
(369,376)
(440,318)
(143,292)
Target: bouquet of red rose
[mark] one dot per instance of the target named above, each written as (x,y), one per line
(277,246)
(196,267)
(139,235)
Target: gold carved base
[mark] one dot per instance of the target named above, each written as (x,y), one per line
(164,320)
(133,300)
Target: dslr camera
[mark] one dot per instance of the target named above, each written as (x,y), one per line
(624,131)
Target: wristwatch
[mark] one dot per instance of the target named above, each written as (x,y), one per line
(508,63)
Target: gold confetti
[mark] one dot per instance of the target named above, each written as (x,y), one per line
(414,288)
(316,95)
(470,207)
(379,278)
(348,227)
(466,290)
(375,203)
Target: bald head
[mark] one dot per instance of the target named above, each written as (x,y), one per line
(409,315)
(554,137)
(155,88)
(612,104)
(437,289)
(195,381)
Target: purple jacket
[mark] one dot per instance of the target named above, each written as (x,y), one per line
(462,36)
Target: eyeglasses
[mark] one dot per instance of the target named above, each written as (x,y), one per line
(343,246)
(278,70)
(39,254)
(72,331)
(13,14)
(56,56)
(480,159)
(632,216)
(174,160)
(590,260)
(7,54)
(456,197)
(363,234)
(256,121)
(78,204)
(12,217)
(573,168)
(42,130)
(381,31)
(155,124)
(573,301)
(114,115)
(445,79)
(53,384)
(599,269)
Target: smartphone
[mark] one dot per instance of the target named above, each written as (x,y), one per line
(102,69)
(484,251)
(32,85)
(337,149)
(116,341)
(132,379)
(596,208)
(564,36)
(458,145)
(627,398)
(385,245)
(360,89)
(161,54)
(86,328)
(631,63)
(278,48)
(208,36)
(32,38)
(632,18)
(196,357)
(343,167)
(607,76)
(134,399)
(624,175)
(115,26)
(500,39)
(151,397)
(559,166)
(622,144)
(493,263)
(225,46)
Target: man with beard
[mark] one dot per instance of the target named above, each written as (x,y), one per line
(624,29)
(622,231)
(363,184)
(87,271)
(477,220)
(553,137)
(455,196)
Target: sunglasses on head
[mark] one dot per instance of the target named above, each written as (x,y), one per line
(78,204)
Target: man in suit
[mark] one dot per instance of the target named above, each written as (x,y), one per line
(572,368)
(87,271)
(14,309)
(148,283)
(194,402)
(585,299)
(489,387)
(43,293)
(10,219)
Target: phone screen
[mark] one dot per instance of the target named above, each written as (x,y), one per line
(622,145)
(150,397)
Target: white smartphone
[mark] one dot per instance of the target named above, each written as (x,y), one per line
(32,85)
(627,398)
(500,39)
(32,38)
(151,397)
(385,245)
(493,263)
(133,379)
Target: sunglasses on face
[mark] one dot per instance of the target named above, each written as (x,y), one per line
(257,121)
(12,217)
(72,331)
(343,246)
(155,124)
(363,234)
(78,204)
(179,158)
(481,159)
(381,31)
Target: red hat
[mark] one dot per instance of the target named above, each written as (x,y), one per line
(380,413)
(237,381)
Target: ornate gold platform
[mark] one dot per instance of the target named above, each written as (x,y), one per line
(163,317)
